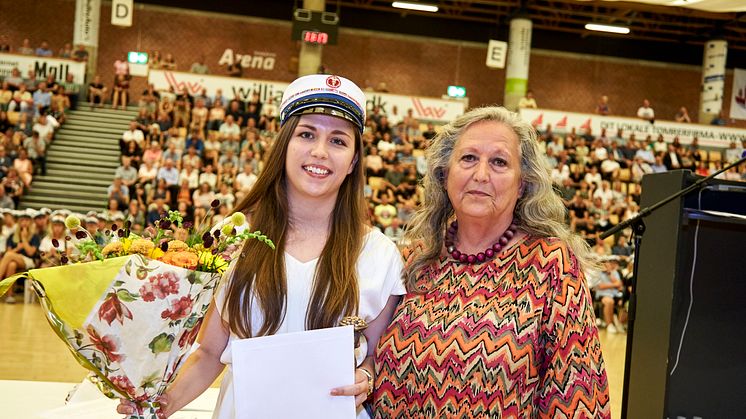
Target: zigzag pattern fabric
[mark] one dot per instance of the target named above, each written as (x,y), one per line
(514,337)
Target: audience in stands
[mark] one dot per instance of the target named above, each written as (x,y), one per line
(184,151)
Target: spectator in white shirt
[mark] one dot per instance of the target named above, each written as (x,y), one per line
(646,112)
(733,153)
(660,145)
(605,193)
(528,101)
(245,181)
(146,175)
(132,134)
(592,176)
(191,175)
(229,129)
(209,177)
(45,127)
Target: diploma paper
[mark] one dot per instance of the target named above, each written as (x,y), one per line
(290,375)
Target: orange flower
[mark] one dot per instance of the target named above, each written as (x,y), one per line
(181,258)
(177,245)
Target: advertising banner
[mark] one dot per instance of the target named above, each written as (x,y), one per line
(42,66)
(423,108)
(562,122)
(87,22)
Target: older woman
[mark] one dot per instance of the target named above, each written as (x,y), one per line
(497,321)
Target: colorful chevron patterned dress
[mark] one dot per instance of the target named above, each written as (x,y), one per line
(509,338)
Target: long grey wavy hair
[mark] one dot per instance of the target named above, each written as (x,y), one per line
(538,212)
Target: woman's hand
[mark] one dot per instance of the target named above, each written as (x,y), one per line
(128,407)
(361,389)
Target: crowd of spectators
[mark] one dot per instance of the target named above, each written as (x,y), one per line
(598,178)
(43,50)
(644,112)
(31,111)
(185,152)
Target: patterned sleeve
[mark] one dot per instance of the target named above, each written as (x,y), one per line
(573,375)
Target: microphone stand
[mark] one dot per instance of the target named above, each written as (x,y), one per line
(638,229)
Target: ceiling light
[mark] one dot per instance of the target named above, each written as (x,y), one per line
(606,28)
(422,7)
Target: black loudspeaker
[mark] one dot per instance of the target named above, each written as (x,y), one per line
(689,347)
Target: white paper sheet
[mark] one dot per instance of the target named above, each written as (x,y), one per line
(291,375)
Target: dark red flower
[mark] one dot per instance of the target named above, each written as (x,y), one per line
(108,345)
(179,309)
(113,309)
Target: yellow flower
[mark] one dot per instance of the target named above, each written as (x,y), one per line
(227,228)
(176,245)
(141,246)
(72,222)
(212,263)
(126,243)
(238,218)
(156,253)
(113,247)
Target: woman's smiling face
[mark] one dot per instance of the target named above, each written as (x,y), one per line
(320,155)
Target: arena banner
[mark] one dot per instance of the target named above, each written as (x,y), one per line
(87,22)
(738,95)
(563,122)
(713,79)
(42,66)
(423,108)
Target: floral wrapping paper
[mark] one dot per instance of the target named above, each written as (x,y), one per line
(139,330)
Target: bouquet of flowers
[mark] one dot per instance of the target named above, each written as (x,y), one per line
(130,306)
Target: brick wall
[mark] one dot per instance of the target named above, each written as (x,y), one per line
(408,65)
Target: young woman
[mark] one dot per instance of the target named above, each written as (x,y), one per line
(121,91)
(328,264)
(21,251)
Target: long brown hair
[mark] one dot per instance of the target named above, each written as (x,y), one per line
(259,275)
